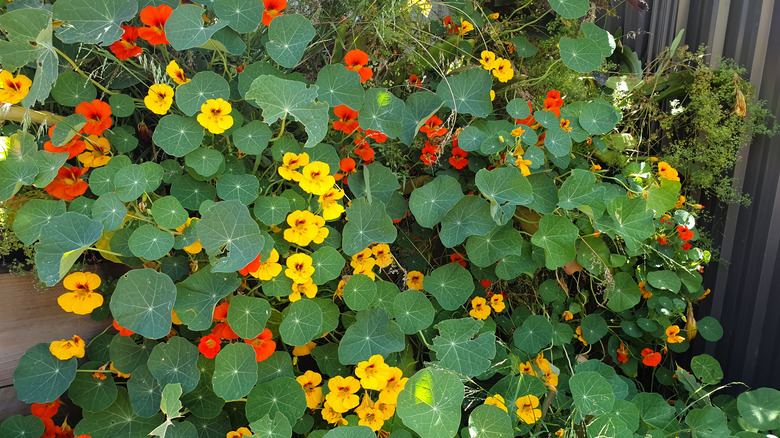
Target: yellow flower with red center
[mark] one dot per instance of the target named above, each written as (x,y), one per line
(371,418)
(395,384)
(527,410)
(579,335)
(13,89)
(310,382)
(560,432)
(307,288)
(268,269)
(465,27)
(415,280)
(160,99)
(331,209)
(479,308)
(299,268)
(363,261)
(214,116)
(339,290)
(68,348)
(238,433)
(502,70)
(672,335)
(97,152)
(497,303)
(527,368)
(497,401)
(290,164)
(176,73)
(517,132)
(382,254)
(373,373)
(566,125)
(315,178)
(342,397)
(305,227)
(331,416)
(487,59)
(83,299)
(384,411)
(195,247)
(667,171)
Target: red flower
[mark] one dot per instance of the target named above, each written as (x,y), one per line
(263,345)
(457,258)
(450,26)
(221,311)
(68,184)
(364,151)
(414,81)
(74,147)
(45,410)
(122,331)
(429,154)
(686,246)
(126,46)
(685,233)
(622,353)
(650,358)
(553,102)
(209,346)
(375,135)
(347,167)
(98,114)
(530,120)
(253,266)
(347,122)
(661,240)
(356,60)
(273,9)
(458,159)
(433,128)
(486,283)
(155,18)
(223,330)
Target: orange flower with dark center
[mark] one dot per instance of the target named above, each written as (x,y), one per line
(622,353)
(347,122)
(263,345)
(74,147)
(273,9)
(356,60)
(154,18)
(686,246)
(126,47)
(98,115)
(68,184)
(651,358)
(450,25)
(209,346)
(566,125)
(458,159)
(457,258)
(685,233)
(432,127)
(365,152)
(553,102)
(415,81)
(429,154)
(122,331)
(375,135)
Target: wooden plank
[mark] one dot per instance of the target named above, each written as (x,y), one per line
(10,404)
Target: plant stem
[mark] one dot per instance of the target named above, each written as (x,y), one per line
(17,114)
(78,70)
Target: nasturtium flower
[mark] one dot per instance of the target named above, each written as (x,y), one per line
(497,401)
(68,348)
(263,345)
(176,73)
(622,353)
(356,60)
(195,247)
(415,81)
(305,350)
(667,171)
(415,280)
(175,318)
(465,27)
(497,303)
(273,9)
(347,119)
(268,269)
(307,288)
(13,88)
(650,358)
(310,382)
(686,246)
(364,151)
(46,410)
(126,47)
(523,164)
(97,152)
(373,373)
(299,267)
(432,127)
(159,99)
(527,410)
(316,178)
(239,433)
(492,95)
(154,18)
(684,233)
(363,260)
(479,308)
(347,168)
(458,159)
(331,416)
(377,136)
(429,154)
(553,102)
(221,312)
(342,397)
(223,331)
(567,315)
(304,227)
(382,255)
(566,125)
(73,147)
(493,16)
(502,70)
(290,164)
(68,184)
(118,373)
(82,299)
(331,209)
(578,331)
(98,115)
(672,335)
(251,266)
(384,411)
(487,59)
(214,116)
(122,331)
(395,384)
(680,202)
(646,294)
(527,368)
(370,417)
(209,346)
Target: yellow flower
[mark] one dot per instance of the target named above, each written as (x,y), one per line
(366,404)
(594,168)
(517,132)
(382,253)
(363,261)
(193,248)
(176,73)
(560,432)
(299,268)
(241,431)
(339,290)
(305,227)
(331,209)
(310,382)
(493,16)
(527,368)
(214,116)
(83,299)
(175,318)
(331,416)
(492,95)
(305,350)
(315,178)
(479,308)
(566,125)
(97,152)
(342,397)
(672,336)
(502,70)
(680,202)
(373,373)
(160,99)
(395,384)
(487,59)
(68,348)
(372,419)
(13,89)
(497,401)
(118,373)
(579,335)
(497,303)
(526,409)
(366,270)
(290,164)
(268,269)
(667,171)
(523,165)
(384,410)
(465,27)
(415,280)
(307,288)
(567,316)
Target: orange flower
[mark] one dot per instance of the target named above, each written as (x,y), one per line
(82,299)
(45,410)
(221,312)
(375,135)
(433,128)
(273,9)
(126,47)
(672,335)
(365,152)
(415,81)
(458,159)
(97,154)
(263,345)
(553,102)
(347,122)
(155,18)
(74,147)
(13,89)
(651,358)
(429,154)
(68,348)
(253,266)
(209,346)
(347,167)
(356,60)
(566,126)
(646,294)
(122,331)
(223,330)
(98,115)
(68,184)
(457,258)
(530,120)
(622,353)
(685,233)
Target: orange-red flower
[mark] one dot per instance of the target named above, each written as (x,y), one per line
(458,159)
(263,345)
(45,410)
(126,47)
(457,258)
(685,233)
(74,147)
(68,184)
(253,266)
(450,25)
(155,18)
(221,312)
(364,151)
(98,115)
(375,135)
(432,127)
(356,60)
(122,331)
(347,122)
(429,154)
(209,346)
(651,358)
(415,81)
(273,9)
(530,120)
(223,330)
(553,102)
(347,168)
(622,353)
(686,246)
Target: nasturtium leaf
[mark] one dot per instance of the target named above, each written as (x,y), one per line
(278,365)
(653,409)
(328,264)
(556,235)
(535,334)
(557,141)
(505,185)
(33,215)
(413,311)
(359,292)
(272,210)
(523,47)
(545,193)
(708,422)
(175,362)
(283,395)
(593,328)
(591,392)
(707,369)
(247,315)
(101,181)
(122,105)
(471,138)
(330,316)
(142,302)
(570,9)
(26,23)
(581,55)
(598,117)
(216,427)
(67,128)
(367,224)
(40,377)
(382,111)
(351,432)
(18,426)
(48,163)
(663,198)
(130,182)
(488,421)
(469,217)
(281,97)
(202,401)
(149,242)
(301,323)
(252,138)
(177,135)
(276,427)
(340,86)
(760,408)
(62,242)
(241,15)
(235,373)
(126,355)
(372,333)
(192,193)
(667,280)
(630,220)
(93,21)
(168,212)
(118,420)
(511,266)
(517,109)
(279,286)
(14,174)
(327,357)
(451,284)
(199,293)
(430,403)
(154,175)
(241,188)
(431,202)
(486,250)
(288,38)
(603,38)
(203,86)
(607,424)
(205,162)
(468,92)
(577,190)
(71,89)
(710,329)
(374,181)
(92,393)
(418,108)
(185,29)
(623,293)
(461,348)
(228,225)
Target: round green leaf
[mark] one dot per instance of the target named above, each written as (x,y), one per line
(467,92)
(593,328)
(488,421)
(40,377)
(110,211)
(471,139)
(252,138)
(154,175)
(581,55)
(664,280)
(283,395)
(382,111)
(127,355)
(431,202)
(288,36)
(71,89)
(92,21)
(235,373)
(598,117)
(142,302)
(175,362)
(359,292)
(178,135)
(430,403)
(241,188)
(130,182)
(592,393)
(227,225)
(458,347)
(168,212)
(198,295)
(48,163)
(535,334)
(216,427)
(469,217)
(206,162)
(101,180)
(623,293)
(707,369)
(328,264)
(523,47)
(278,365)
(557,141)
(368,224)
(33,215)
(340,86)
(203,86)
(556,235)
(122,105)
(118,420)
(149,242)
(18,426)
(413,311)
(192,193)
(570,9)
(272,210)
(185,29)
(302,323)
(374,181)
(451,284)
(760,408)
(708,422)
(62,242)
(372,333)
(505,185)
(247,315)
(241,15)
(278,427)
(202,401)
(710,329)
(123,139)
(608,424)
(350,432)
(330,316)
(577,190)
(91,393)
(653,409)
